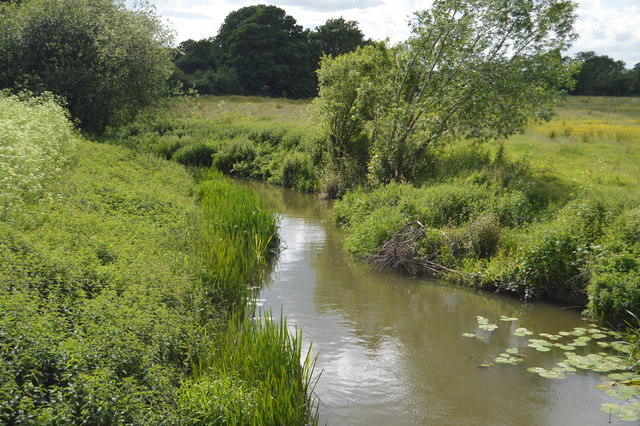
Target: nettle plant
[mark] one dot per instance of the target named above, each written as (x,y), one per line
(36,141)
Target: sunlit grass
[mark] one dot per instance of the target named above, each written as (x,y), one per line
(591,143)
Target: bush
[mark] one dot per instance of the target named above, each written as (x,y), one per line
(295,170)
(196,154)
(483,235)
(106,61)
(236,157)
(37,142)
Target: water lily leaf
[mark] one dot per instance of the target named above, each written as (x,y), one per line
(485,365)
(623,376)
(482,320)
(522,332)
(621,347)
(505,318)
(539,342)
(627,417)
(598,336)
(512,350)
(535,370)
(501,360)
(488,327)
(577,333)
(468,335)
(603,345)
(564,333)
(579,329)
(551,375)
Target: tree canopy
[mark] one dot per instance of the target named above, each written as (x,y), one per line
(601,75)
(105,60)
(267,49)
(338,36)
(476,69)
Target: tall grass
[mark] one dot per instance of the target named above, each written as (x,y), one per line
(252,375)
(236,239)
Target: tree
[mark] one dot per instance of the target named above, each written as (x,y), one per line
(349,91)
(268,51)
(195,55)
(338,36)
(474,69)
(107,61)
(601,75)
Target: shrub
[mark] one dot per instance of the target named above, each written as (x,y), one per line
(108,62)
(295,170)
(196,154)
(236,157)
(483,235)
(37,142)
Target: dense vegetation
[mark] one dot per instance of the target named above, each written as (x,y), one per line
(601,75)
(123,286)
(105,60)
(260,50)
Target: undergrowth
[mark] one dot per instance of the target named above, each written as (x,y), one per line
(124,286)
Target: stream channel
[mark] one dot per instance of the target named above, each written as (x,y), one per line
(390,347)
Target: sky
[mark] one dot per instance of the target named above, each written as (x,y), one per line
(608,27)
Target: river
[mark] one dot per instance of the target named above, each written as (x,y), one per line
(390,347)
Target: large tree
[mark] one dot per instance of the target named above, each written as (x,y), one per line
(107,61)
(601,75)
(268,51)
(338,36)
(476,69)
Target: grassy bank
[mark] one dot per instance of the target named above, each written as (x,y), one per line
(553,212)
(123,284)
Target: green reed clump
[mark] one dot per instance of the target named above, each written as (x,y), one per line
(236,239)
(252,375)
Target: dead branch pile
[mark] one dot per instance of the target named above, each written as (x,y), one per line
(400,252)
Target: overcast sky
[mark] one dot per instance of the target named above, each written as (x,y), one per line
(608,27)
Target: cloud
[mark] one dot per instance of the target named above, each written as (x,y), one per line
(331,5)
(608,27)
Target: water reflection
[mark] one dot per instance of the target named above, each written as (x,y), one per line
(390,346)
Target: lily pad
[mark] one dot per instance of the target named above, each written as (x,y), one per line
(512,351)
(482,320)
(522,332)
(468,335)
(488,327)
(598,336)
(603,345)
(505,318)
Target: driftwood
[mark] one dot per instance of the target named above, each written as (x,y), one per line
(399,252)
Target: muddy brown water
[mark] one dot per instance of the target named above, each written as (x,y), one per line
(390,347)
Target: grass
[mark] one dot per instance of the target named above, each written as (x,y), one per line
(592,142)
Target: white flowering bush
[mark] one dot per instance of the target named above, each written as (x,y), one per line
(36,140)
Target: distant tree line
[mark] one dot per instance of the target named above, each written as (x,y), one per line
(601,75)
(260,50)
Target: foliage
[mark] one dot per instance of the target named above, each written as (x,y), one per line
(105,60)
(601,75)
(37,142)
(252,376)
(477,69)
(288,154)
(345,103)
(268,51)
(338,37)
(114,290)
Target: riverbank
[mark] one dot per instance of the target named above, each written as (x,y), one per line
(551,213)
(124,285)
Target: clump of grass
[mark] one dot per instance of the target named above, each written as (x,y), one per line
(252,375)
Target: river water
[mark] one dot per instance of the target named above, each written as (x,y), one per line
(390,347)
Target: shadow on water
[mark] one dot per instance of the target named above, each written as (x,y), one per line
(391,346)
